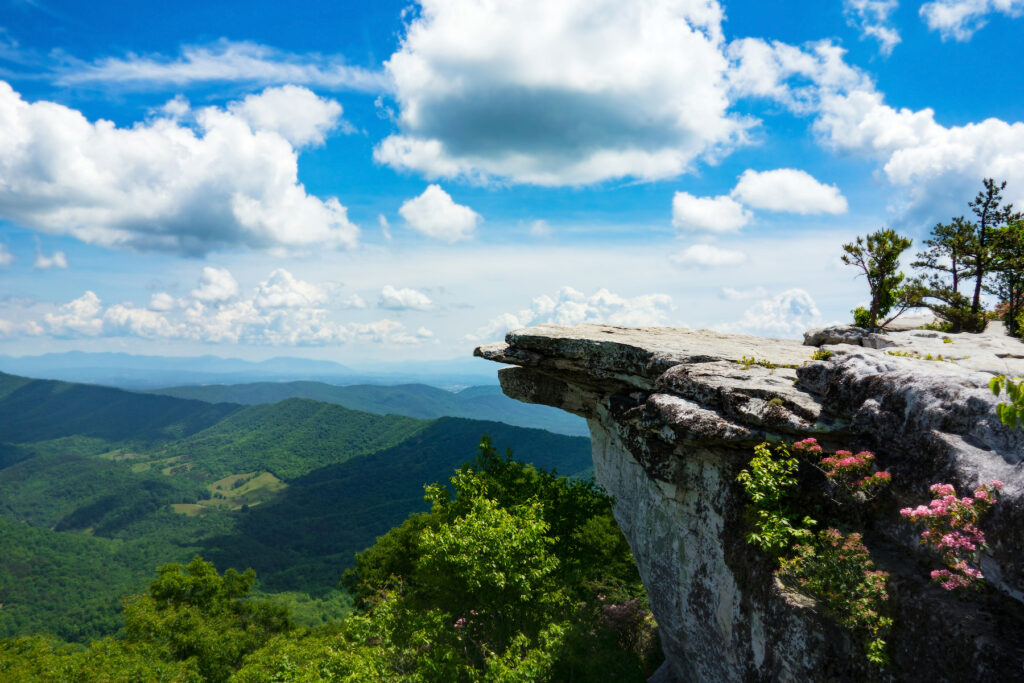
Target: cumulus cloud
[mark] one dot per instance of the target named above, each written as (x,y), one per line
(6,257)
(403,299)
(788,189)
(225,182)
(296,114)
(960,19)
(936,167)
(787,314)
(572,307)
(78,318)
(56,260)
(436,215)
(708,214)
(708,256)
(871,18)
(280,310)
(224,61)
(216,284)
(560,93)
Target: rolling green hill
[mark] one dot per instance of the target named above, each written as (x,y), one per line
(99,485)
(40,410)
(413,400)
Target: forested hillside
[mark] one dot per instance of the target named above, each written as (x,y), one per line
(413,400)
(98,486)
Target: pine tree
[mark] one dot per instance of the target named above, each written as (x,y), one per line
(878,257)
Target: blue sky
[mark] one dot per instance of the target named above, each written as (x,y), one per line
(382,180)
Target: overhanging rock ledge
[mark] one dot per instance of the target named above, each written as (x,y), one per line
(673,416)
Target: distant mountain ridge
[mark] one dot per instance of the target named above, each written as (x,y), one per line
(131,371)
(412,400)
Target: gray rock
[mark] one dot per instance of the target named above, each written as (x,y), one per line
(673,416)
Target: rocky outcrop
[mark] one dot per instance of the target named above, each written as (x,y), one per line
(673,416)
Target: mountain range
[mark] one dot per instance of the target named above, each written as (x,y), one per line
(100,485)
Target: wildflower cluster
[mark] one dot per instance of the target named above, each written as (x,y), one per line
(952,531)
(847,470)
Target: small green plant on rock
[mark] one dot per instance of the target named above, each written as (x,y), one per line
(1010,414)
(822,354)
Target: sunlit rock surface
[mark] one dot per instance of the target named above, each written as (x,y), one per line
(673,417)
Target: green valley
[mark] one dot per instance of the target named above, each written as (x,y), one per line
(98,486)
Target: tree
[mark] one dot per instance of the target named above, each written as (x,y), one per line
(878,257)
(1007,280)
(991,219)
(946,264)
(191,613)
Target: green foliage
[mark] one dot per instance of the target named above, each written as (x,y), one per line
(192,613)
(1010,413)
(822,354)
(833,567)
(749,361)
(502,572)
(838,570)
(878,258)
(767,483)
(861,317)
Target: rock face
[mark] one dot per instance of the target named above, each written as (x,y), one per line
(673,417)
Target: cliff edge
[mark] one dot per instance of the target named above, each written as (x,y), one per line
(674,415)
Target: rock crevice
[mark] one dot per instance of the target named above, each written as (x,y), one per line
(673,416)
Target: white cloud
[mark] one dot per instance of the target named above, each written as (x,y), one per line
(388,331)
(58,260)
(795,77)
(284,290)
(708,214)
(787,314)
(216,284)
(960,19)
(871,18)
(560,93)
(572,307)
(281,310)
(225,61)
(6,257)
(708,256)
(80,317)
(162,302)
(296,114)
(354,301)
(936,167)
(164,186)
(790,190)
(403,299)
(436,215)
